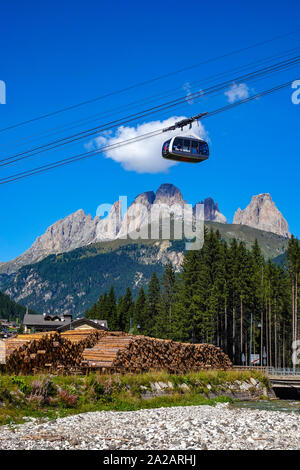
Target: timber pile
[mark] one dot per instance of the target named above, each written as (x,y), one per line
(17,341)
(81,336)
(77,350)
(105,351)
(139,353)
(47,351)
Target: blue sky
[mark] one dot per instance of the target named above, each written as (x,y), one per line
(55,54)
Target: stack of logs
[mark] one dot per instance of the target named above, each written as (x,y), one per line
(105,351)
(80,350)
(140,353)
(51,351)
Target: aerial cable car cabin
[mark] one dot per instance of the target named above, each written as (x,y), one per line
(190,149)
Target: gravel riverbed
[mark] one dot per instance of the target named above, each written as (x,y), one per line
(179,428)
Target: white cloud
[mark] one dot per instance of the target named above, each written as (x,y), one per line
(144,156)
(237,92)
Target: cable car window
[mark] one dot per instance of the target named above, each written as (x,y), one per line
(166,145)
(186,145)
(195,147)
(204,148)
(178,144)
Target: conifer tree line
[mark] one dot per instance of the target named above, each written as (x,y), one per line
(12,311)
(224,294)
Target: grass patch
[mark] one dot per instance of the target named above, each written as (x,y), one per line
(47,396)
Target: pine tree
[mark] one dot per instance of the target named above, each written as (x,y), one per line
(140,312)
(164,325)
(293,259)
(258,281)
(99,310)
(233,295)
(153,305)
(110,310)
(245,289)
(125,311)
(190,305)
(214,263)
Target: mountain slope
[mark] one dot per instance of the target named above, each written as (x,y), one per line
(10,310)
(73,281)
(79,229)
(75,230)
(271,245)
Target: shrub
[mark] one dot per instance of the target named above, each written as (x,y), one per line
(41,391)
(67,398)
(99,390)
(36,400)
(22,385)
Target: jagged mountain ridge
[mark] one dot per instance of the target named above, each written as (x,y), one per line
(80,229)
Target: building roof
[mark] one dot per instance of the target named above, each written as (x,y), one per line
(97,324)
(46,320)
(4,321)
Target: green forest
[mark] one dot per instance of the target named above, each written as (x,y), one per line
(225,294)
(10,310)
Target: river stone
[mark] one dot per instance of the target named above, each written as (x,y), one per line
(184,387)
(162,385)
(245,386)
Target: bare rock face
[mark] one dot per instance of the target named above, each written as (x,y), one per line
(75,230)
(262,213)
(108,228)
(137,214)
(211,211)
(150,207)
(67,234)
(168,194)
(168,201)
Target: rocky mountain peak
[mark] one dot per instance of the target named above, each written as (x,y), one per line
(168,194)
(263,214)
(137,214)
(65,232)
(76,230)
(147,198)
(109,227)
(211,211)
